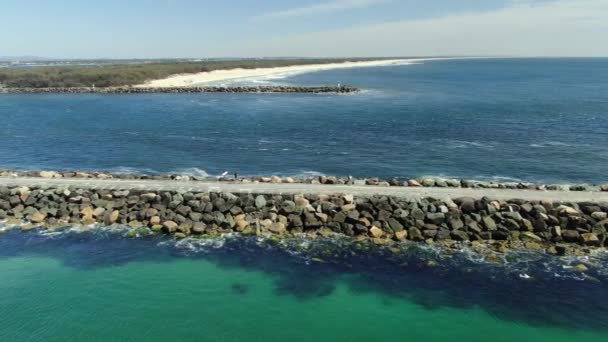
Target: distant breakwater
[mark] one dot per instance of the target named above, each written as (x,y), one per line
(182,90)
(487,225)
(327,180)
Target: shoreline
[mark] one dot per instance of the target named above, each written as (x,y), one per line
(189,80)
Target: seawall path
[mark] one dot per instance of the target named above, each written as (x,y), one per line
(298,188)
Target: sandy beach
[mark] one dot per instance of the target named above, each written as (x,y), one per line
(205,78)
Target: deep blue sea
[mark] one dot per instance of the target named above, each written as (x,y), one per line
(504,119)
(540,120)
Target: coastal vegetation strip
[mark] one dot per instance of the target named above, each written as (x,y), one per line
(134,74)
(180,90)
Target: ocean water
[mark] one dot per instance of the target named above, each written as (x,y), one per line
(540,120)
(99,286)
(500,119)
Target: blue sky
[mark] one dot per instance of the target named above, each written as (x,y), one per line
(189,28)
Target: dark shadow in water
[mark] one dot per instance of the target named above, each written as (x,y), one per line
(240,288)
(455,282)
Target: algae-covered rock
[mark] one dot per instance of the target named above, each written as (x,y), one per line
(459,235)
(415,234)
(489,223)
(326,232)
(532,246)
(380,241)
(131,233)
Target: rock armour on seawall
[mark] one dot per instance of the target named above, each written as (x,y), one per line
(556,227)
(181,90)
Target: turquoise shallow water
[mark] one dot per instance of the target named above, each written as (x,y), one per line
(101,287)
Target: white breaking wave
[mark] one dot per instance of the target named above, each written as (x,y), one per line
(192,171)
(309,173)
(496,179)
(550,144)
(265,141)
(499,179)
(197,245)
(186,137)
(468,144)
(132,170)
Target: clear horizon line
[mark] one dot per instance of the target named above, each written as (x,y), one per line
(48,59)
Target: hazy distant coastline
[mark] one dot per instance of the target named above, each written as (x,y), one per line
(132,73)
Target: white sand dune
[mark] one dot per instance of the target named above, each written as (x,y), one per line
(203,78)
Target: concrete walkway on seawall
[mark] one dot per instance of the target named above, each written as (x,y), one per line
(298,188)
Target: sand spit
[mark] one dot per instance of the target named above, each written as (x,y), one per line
(191,80)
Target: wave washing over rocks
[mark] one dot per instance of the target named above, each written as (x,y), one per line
(340,250)
(199,175)
(487,226)
(181,90)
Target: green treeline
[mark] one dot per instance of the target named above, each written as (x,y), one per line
(131,74)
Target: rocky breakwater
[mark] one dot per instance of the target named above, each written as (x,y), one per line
(182,90)
(555,227)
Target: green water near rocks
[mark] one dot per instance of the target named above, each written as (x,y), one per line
(43,299)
